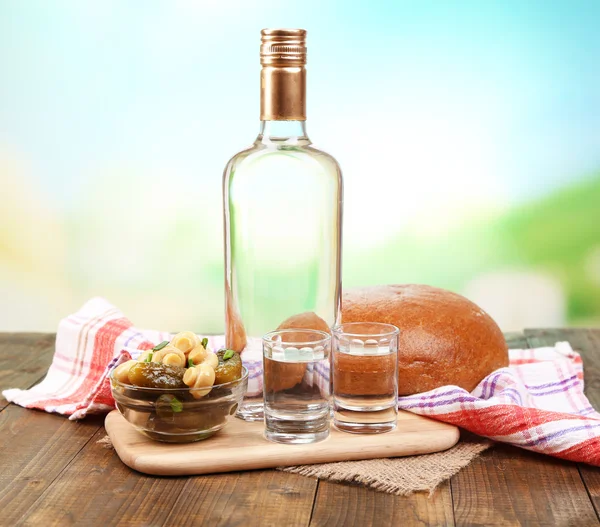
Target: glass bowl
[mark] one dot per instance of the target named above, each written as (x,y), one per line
(173,415)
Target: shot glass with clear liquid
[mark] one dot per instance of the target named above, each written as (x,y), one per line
(365,377)
(297,389)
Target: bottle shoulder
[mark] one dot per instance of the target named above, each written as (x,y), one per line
(260,152)
(324,156)
(239,157)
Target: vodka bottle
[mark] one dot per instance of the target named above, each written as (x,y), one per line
(282,202)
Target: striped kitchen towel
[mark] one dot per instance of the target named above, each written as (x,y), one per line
(89,344)
(536,403)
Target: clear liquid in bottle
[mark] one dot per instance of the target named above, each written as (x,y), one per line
(282,213)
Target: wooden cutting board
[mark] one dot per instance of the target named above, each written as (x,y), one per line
(242,446)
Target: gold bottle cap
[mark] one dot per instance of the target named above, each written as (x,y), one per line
(283,47)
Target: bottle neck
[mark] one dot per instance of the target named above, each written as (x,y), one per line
(283,132)
(283,92)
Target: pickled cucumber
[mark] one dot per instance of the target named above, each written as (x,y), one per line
(229,369)
(172,411)
(156,375)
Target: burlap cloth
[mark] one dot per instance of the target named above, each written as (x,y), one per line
(401,475)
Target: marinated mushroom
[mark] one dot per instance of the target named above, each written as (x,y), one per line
(170,355)
(180,373)
(121,372)
(186,341)
(200,355)
(201,376)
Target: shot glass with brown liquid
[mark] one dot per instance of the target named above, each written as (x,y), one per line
(365,377)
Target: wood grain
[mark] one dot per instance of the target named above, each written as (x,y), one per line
(222,452)
(97,489)
(591,478)
(516,340)
(34,449)
(260,498)
(587,342)
(24,360)
(351,505)
(54,473)
(510,486)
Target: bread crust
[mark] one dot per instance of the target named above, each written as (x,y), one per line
(445,339)
(291,374)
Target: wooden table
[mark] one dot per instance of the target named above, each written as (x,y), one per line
(54,472)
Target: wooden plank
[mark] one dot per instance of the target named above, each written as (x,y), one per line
(506,490)
(591,478)
(510,486)
(97,489)
(516,340)
(587,342)
(351,505)
(34,448)
(497,489)
(258,498)
(222,452)
(24,359)
(117,495)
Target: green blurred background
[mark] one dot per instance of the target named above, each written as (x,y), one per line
(468,133)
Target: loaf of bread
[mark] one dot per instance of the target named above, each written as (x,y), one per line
(444,338)
(291,374)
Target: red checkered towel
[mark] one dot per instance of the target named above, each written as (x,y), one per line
(536,403)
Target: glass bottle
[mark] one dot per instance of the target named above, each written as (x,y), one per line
(282,203)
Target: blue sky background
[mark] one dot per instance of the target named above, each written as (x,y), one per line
(440,113)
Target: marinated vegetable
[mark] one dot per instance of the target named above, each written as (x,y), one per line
(156,375)
(183,404)
(121,372)
(171,410)
(200,355)
(170,355)
(229,368)
(167,406)
(186,341)
(201,376)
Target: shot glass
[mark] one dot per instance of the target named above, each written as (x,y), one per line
(297,390)
(365,377)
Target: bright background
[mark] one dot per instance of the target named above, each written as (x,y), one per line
(468,133)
